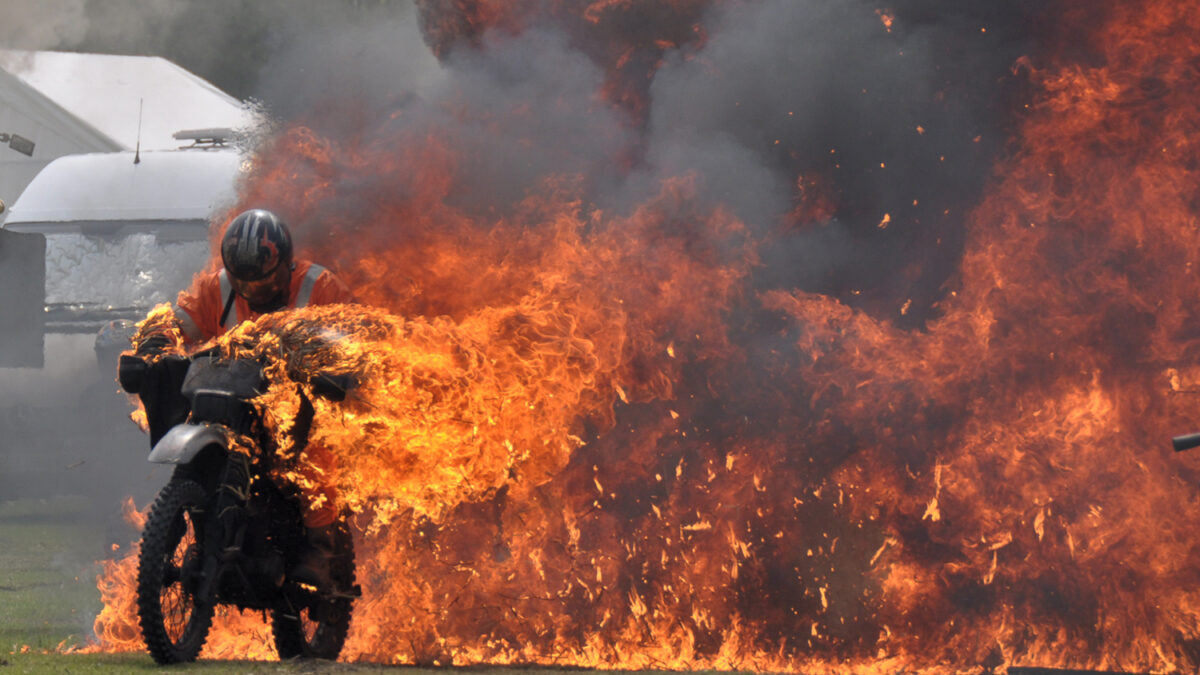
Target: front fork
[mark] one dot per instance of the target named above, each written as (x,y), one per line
(226,527)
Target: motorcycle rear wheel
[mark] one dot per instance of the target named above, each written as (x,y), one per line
(320,633)
(174,622)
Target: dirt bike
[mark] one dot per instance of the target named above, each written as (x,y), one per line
(222,531)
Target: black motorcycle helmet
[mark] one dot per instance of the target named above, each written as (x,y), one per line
(257,252)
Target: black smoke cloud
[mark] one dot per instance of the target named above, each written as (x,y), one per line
(904,122)
(899,122)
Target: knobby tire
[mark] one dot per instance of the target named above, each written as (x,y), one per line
(328,630)
(161,596)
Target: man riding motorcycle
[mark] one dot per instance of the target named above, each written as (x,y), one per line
(260,276)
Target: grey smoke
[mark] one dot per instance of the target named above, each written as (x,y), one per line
(784,88)
(325,55)
(42,24)
(517,111)
(249,48)
(67,24)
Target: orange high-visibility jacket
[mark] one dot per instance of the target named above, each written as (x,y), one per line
(199,309)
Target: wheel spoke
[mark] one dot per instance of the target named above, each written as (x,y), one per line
(173,625)
(310,623)
(316,624)
(178,603)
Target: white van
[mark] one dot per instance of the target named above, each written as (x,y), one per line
(122,232)
(94,238)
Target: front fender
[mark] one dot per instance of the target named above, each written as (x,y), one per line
(184,441)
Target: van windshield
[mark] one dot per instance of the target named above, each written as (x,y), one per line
(88,274)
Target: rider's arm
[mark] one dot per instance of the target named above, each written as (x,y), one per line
(329,290)
(188,326)
(192,320)
(198,309)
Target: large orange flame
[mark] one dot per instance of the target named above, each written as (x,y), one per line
(575,442)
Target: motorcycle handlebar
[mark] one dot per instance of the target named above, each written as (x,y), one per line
(131,373)
(332,387)
(1186,442)
(132,369)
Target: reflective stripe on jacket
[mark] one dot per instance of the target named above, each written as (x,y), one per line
(201,309)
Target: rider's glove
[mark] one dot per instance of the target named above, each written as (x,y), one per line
(153,345)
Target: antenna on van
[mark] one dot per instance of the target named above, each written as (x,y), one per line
(137,153)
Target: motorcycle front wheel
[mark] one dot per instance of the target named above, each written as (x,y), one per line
(174,622)
(319,631)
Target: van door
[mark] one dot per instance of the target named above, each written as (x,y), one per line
(22,299)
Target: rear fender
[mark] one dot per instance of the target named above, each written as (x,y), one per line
(184,441)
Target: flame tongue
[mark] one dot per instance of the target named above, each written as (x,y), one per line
(444,413)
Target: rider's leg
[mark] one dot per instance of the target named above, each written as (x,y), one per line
(320,511)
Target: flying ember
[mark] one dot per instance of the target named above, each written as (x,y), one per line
(604,419)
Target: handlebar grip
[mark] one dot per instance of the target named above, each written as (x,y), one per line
(131,373)
(1186,442)
(332,387)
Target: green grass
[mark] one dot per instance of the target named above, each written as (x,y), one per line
(47,573)
(88,664)
(141,664)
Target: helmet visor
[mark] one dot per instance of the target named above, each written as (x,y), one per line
(260,291)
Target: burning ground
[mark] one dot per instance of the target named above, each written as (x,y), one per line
(773,335)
